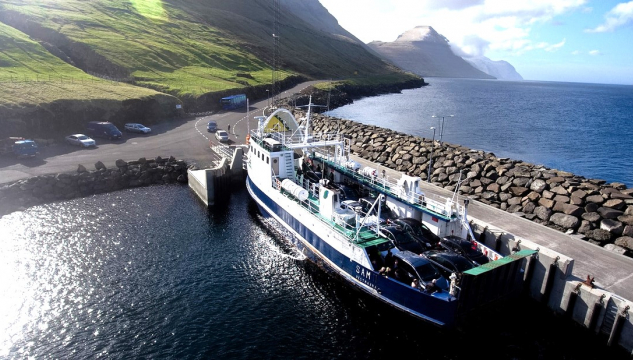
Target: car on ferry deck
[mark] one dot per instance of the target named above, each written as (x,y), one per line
(403,240)
(448,262)
(465,248)
(419,267)
(418,230)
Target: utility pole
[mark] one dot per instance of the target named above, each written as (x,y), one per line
(276,53)
(428,179)
(441,125)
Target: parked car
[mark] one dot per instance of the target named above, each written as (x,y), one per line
(212,126)
(222,135)
(465,248)
(417,229)
(419,267)
(103,129)
(80,140)
(137,128)
(19,147)
(448,262)
(403,240)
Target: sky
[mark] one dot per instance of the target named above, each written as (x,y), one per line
(547,40)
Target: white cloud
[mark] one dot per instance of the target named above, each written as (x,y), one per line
(621,14)
(476,26)
(575,52)
(595,52)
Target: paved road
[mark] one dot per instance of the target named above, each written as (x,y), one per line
(183,139)
(612,272)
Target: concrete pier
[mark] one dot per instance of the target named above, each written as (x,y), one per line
(563,264)
(213,185)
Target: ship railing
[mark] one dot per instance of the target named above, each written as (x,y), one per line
(344,229)
(382,182)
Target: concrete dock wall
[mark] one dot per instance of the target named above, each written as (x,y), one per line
(552,283)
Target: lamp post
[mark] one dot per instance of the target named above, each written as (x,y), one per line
(428,179)
(267,98)
(441,124)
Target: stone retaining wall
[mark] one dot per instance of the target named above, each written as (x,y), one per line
(47,188)
(601,212)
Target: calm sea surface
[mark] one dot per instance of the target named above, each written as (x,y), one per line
(150,273)
(586,129)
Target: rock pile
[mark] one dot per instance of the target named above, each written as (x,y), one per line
(601,212)
(46,188)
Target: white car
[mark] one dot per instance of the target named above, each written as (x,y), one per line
(80,140)
(222,135)
(137,128)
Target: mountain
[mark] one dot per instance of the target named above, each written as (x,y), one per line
(423,51)
(500,69)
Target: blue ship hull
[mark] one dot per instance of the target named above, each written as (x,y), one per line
(439,309)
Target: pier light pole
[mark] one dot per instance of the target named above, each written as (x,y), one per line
(441,124)
(267,98)
(428,179)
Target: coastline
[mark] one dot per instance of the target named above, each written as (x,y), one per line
(600,212)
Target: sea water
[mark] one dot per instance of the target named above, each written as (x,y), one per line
(150,273)
(585,129)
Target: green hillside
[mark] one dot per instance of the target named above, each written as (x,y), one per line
(33,76)
(194,50)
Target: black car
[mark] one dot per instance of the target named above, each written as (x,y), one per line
(465,248)
(417,229)
(448,262)
(413,266)
(402,239)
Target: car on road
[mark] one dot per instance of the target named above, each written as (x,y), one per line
(465,248)
(18,147)
(80,140)
(222,136)
(137,128)
(212,126)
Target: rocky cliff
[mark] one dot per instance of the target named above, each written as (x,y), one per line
(500,69)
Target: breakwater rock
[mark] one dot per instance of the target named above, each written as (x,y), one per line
(599,211)
(47,188)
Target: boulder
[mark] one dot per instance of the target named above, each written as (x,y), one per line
(626,219)
(591,216)
(81,169)
(625,242)
(591,207)
(599,235)
(609,213)
(519,190)
(598,199)
(543,212)
(538,185)
(617,204)
(120,163)
(559,190)
(628,231)
(546,203)
(564,220)
(100,166)
(584,227)
(612,226)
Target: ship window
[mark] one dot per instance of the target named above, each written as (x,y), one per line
(267,160)
(274,161)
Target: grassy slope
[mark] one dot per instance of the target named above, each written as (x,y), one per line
(49,78)
(160,45)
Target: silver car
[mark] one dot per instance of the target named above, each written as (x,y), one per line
(137,128)
(80,140)
(222,135)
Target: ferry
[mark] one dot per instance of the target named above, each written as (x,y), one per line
(350,239)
